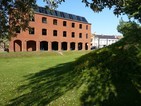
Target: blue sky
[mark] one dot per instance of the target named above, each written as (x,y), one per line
(104,22)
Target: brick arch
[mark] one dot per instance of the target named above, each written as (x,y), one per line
(44,45)
(86,46)
(54,45)
(17,45)
(31,45)
(80,46)
(64,45)
(72,46)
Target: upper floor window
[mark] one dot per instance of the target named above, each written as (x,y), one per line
(32,18)
(73,34)
(64,23)
(31,31)
(86,36)
(80,35)
(44,31)
(54,32)
(73,25)
(54,21)
(86,27)
(64,33)
(80,26)
(44,20)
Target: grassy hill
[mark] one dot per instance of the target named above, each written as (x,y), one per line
(112,75)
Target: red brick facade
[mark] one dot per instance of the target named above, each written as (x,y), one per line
(53,33)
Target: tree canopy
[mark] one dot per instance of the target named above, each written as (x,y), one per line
(21,11)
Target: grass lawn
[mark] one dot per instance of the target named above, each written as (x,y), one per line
(38,79)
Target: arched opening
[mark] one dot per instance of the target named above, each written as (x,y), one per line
(17,46)
(43,45)
(64,45)
(54,45)
(80,46)
(31,46)
(72,46)
(86,46)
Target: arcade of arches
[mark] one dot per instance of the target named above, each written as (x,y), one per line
(32,45)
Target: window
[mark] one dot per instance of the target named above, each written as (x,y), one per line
(54,22)
(78,18)
(31,31)
(44,20)
(54,32)
(80,26)
(86,36)
(32,19)
(44,31)
(73,25)
(62,14)
(80,35)
(64,23)
(72,34)
(70,16)
(86,27)
(64,33)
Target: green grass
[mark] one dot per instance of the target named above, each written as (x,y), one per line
(39,79)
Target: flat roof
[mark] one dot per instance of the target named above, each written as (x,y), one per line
(106,36)
(60,14)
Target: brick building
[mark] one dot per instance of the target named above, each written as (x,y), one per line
(53,30)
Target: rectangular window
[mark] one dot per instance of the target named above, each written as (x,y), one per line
(70,16)
(54,22)
(32,19)
(44,20)
(64,23)
(80,26)
(80,35)
(86,27)
(54,32)
(73,25)
(73,34)
(64,33)
(86,36)
(44,31)
(31,31)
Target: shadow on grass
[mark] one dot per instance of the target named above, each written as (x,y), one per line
(114,75)
(47,85)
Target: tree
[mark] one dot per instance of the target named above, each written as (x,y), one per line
(15,14)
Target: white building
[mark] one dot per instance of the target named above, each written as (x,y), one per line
(99,41)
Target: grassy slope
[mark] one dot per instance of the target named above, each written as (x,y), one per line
(37,78)
(112,74)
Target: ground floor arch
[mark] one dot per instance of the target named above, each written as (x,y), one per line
(80,46)
(86,46)
(72,46)
(43,45)
(64,46)
(54,45)
(31,46)
(17,45)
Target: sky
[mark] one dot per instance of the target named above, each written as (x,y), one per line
(103,23)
